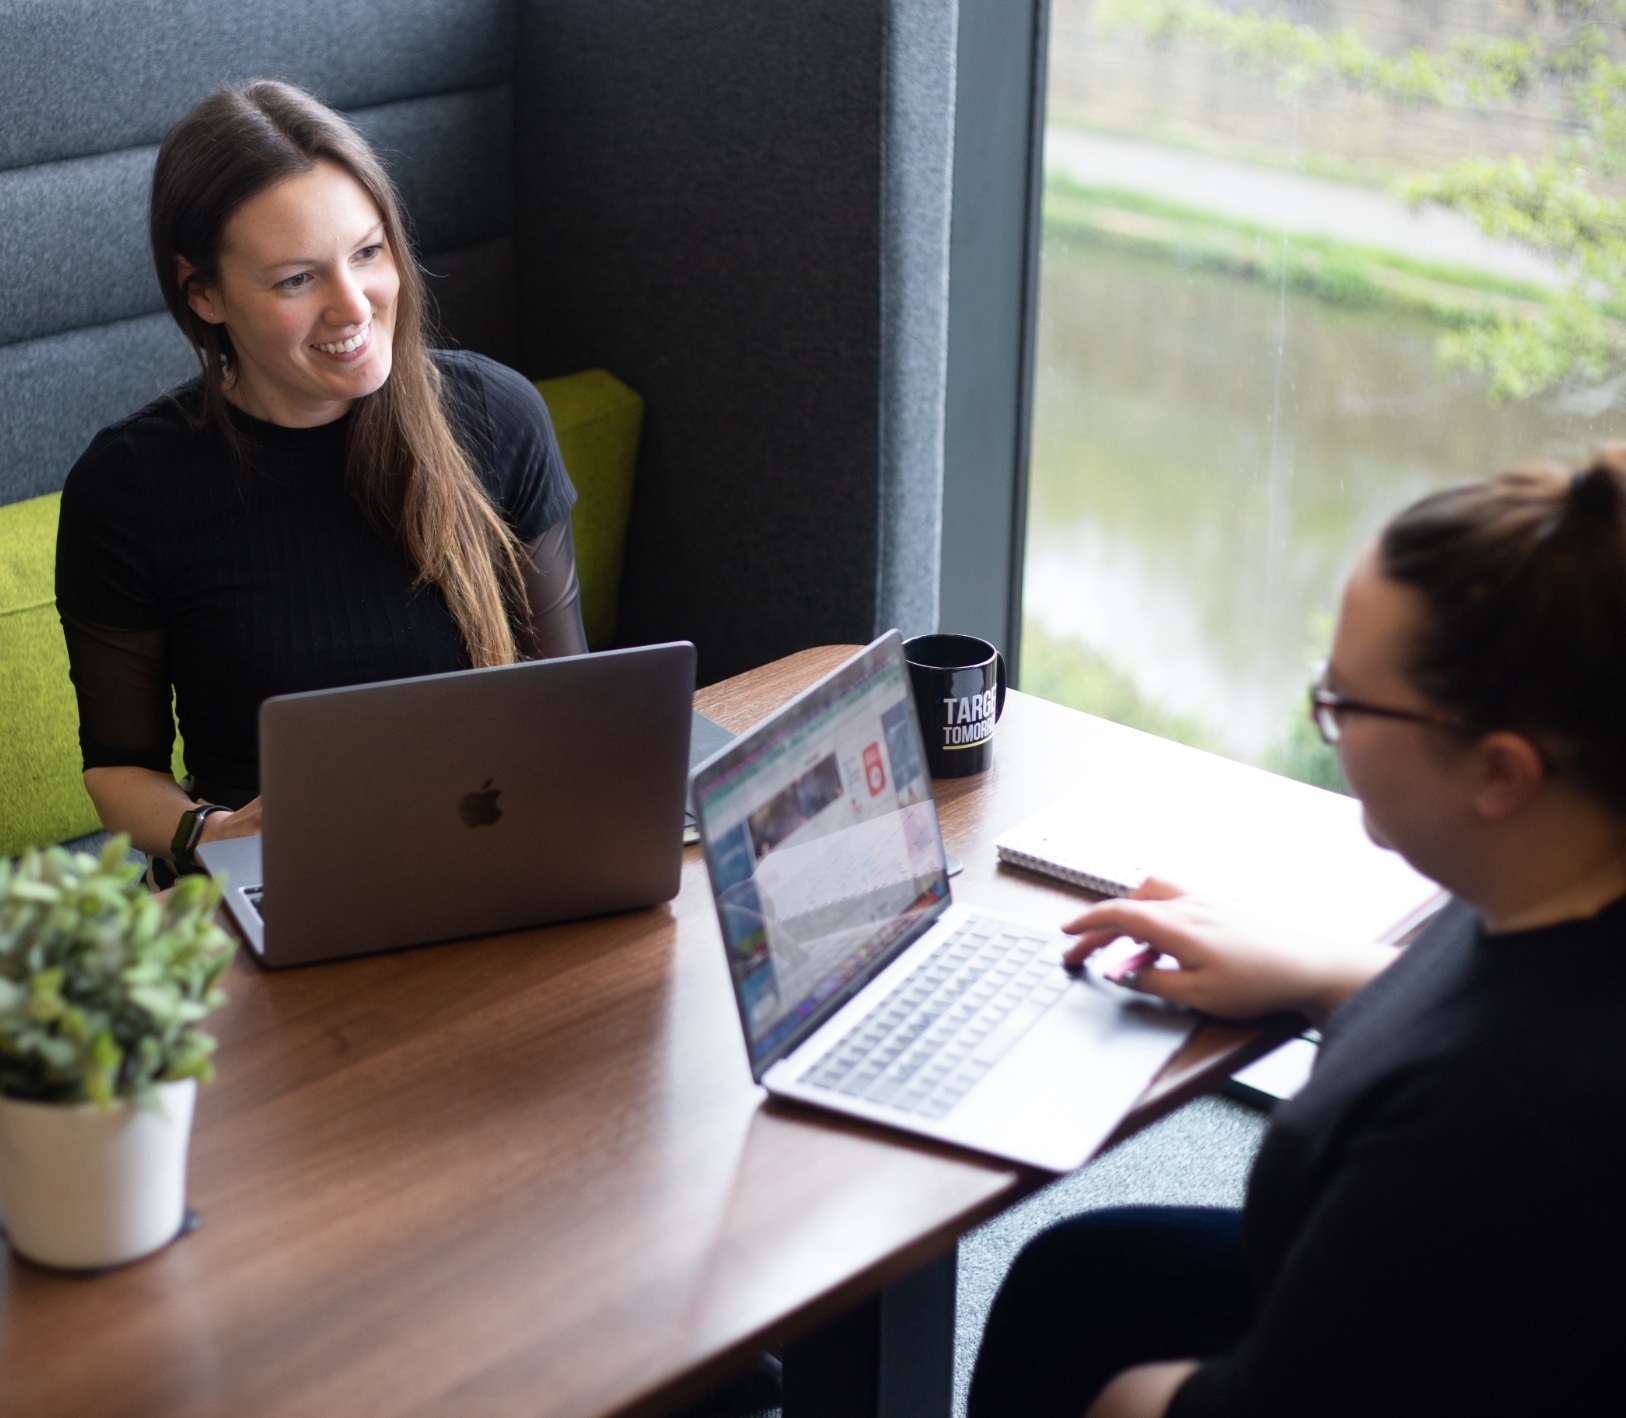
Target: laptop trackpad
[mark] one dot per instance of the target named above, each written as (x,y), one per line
(238,860)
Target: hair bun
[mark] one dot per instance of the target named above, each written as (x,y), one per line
(1595,492)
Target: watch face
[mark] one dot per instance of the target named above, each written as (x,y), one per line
(189,830)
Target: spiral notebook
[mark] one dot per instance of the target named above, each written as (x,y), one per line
(1057,844)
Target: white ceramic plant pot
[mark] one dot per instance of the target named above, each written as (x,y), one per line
(82,1189)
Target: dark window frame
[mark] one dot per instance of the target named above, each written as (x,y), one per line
(993,302)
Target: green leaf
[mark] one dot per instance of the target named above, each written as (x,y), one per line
(43,892)
(160,1001)
(101,1070)
(44,998)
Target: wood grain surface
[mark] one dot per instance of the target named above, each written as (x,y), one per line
(527,1174)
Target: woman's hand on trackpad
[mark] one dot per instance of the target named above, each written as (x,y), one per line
(1217,958)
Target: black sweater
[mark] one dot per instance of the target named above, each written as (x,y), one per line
(178,565)
(1437,1223)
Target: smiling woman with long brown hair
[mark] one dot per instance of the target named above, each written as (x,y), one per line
(330,502)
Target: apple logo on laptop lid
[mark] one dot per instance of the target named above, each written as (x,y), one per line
(479,809)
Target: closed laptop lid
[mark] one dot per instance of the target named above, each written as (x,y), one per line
(821,838)
(457,805)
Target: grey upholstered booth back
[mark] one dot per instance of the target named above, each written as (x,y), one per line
(87,88)
(740,207)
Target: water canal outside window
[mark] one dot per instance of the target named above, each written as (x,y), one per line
(1240,371)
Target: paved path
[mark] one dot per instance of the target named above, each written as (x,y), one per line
(1289,202)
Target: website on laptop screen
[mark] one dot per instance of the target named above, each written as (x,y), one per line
(823,848)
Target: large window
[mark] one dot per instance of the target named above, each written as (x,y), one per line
(1252,348)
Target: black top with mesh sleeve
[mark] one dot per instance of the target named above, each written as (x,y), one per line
(180,565)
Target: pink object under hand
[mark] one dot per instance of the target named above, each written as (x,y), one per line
(1133,965)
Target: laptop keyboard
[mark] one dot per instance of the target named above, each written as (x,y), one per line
(951,1020)
(253,895)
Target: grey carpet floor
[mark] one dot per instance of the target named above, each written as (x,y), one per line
(1199,1156)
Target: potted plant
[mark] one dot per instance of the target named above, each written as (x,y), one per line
(102,986)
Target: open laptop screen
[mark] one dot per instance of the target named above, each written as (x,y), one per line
(821,838)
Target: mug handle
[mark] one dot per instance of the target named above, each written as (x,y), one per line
(999,685)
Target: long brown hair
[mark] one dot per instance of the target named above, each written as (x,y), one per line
(1524,579)
(404,464)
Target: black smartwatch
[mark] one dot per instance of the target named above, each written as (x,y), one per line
(187,833)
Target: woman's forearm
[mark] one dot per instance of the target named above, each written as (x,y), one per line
(1345,974)
(145,804)
(1142,1392)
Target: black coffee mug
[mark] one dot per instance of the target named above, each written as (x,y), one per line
(959,684)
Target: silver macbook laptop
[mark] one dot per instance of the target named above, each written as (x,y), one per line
(861,986)
(456,805)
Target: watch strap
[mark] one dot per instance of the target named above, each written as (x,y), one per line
(187,832)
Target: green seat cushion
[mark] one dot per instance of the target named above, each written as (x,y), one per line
(598,421)
(42,795)
(42,787)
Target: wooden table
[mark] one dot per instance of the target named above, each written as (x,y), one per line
(529,1174)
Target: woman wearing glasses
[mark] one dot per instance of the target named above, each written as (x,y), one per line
(1434,1224)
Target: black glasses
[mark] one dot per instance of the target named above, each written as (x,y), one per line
(1326,705)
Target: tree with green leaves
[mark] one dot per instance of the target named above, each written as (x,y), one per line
(1559,206)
